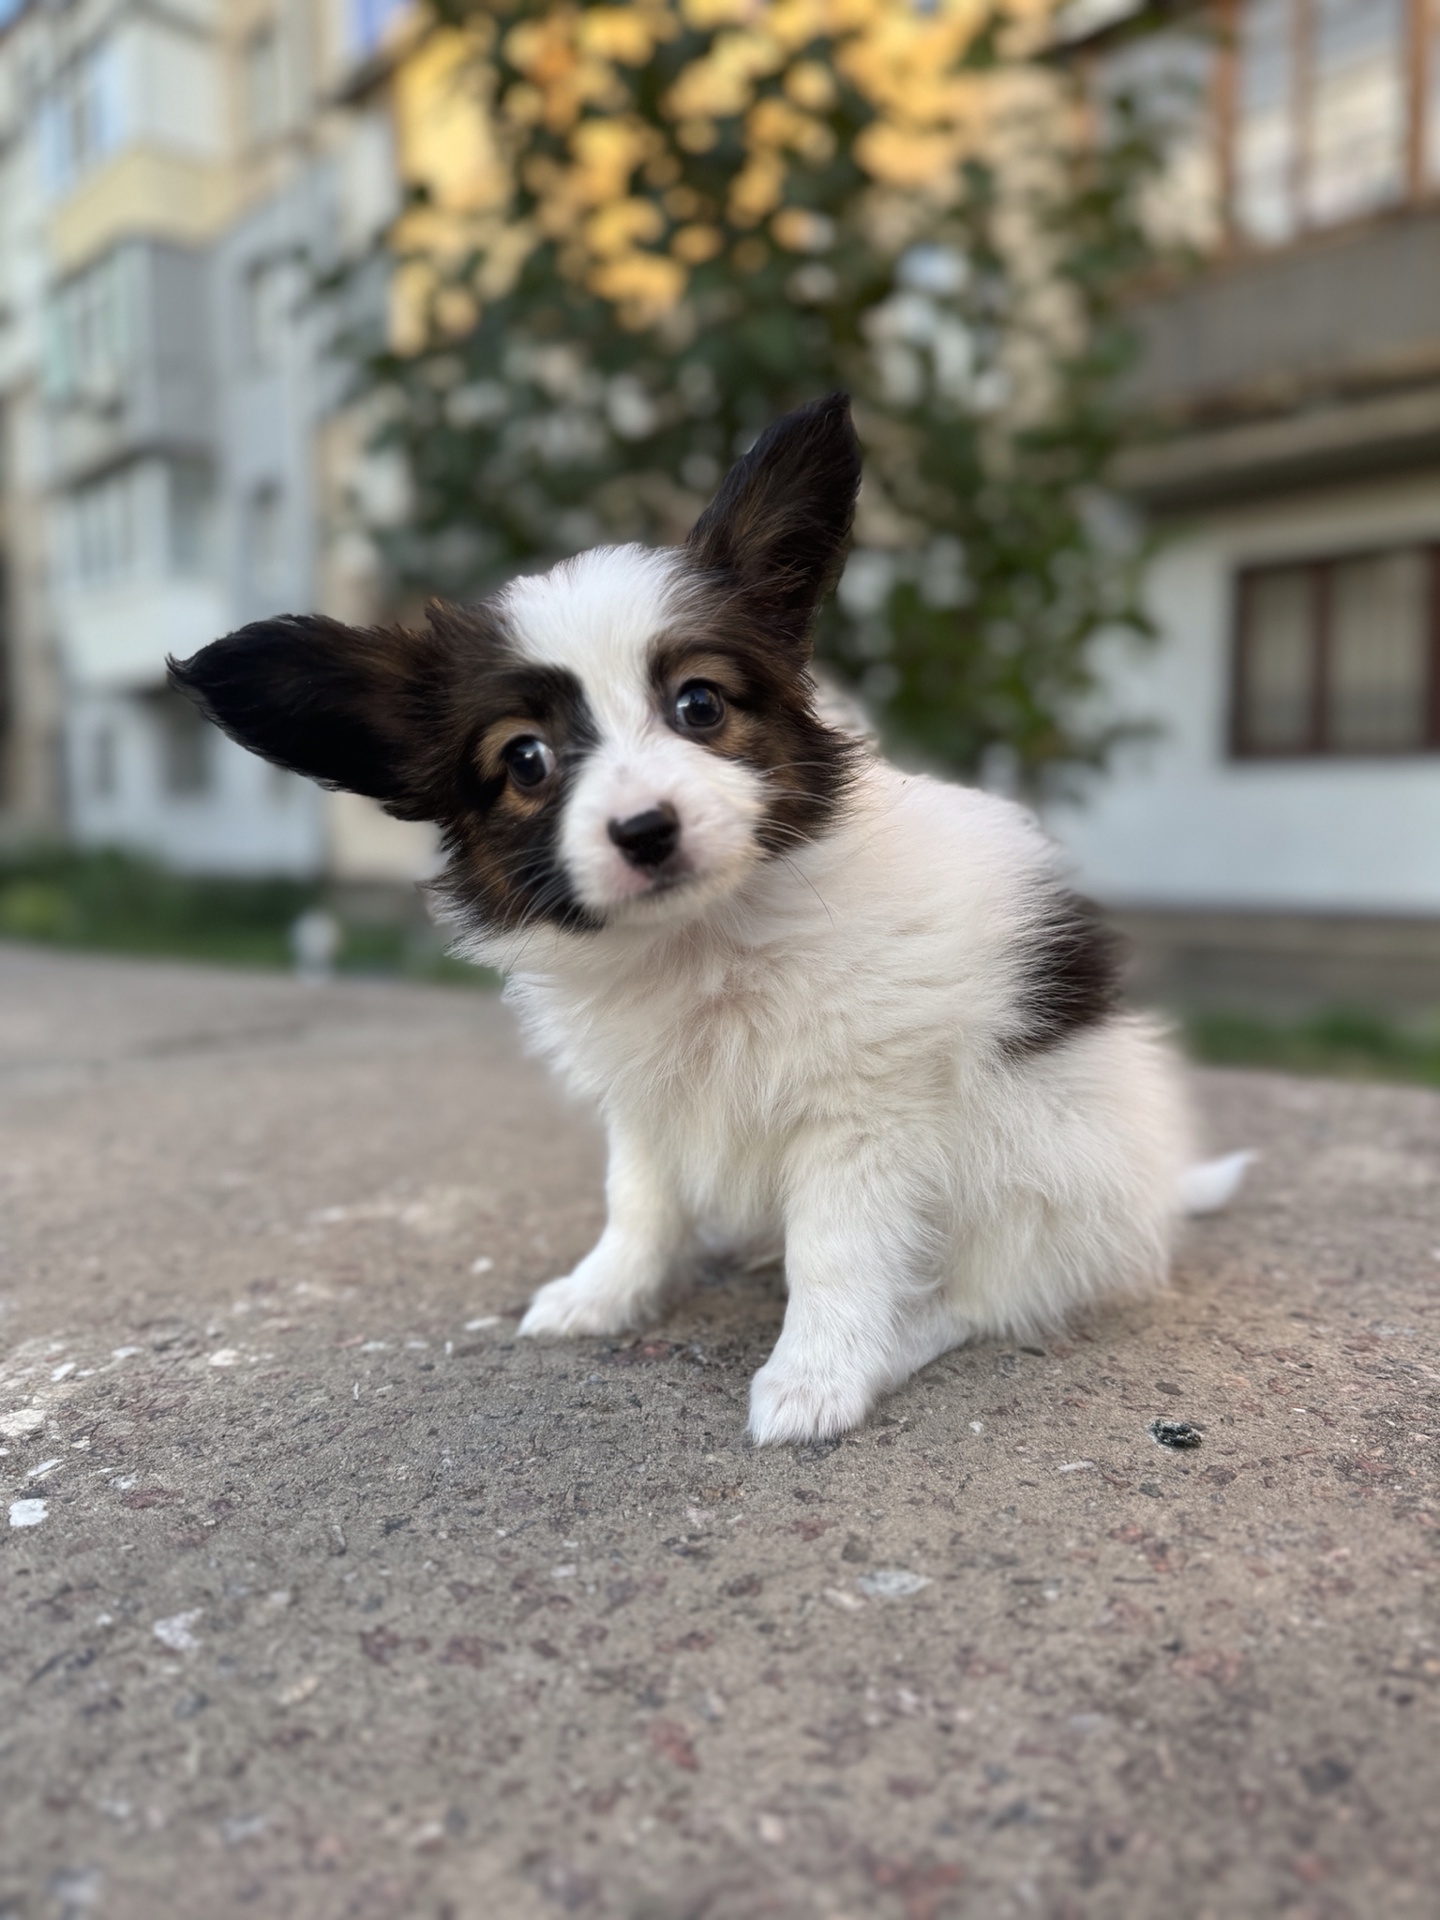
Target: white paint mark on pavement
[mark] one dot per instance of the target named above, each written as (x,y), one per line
(225,1357)
(891,1583)
(63,1372)
(177,1632)
(846,1602)
(76,1888)
(14,1426)
(243,1827)
(39,1473)
(484,1264)
(27,1513)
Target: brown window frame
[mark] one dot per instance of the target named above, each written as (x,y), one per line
(1316,746)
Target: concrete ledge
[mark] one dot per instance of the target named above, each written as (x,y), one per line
(1320,443)
(1282,961)
(326,1596)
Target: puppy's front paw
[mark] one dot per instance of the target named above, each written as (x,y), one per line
(586,1301)
(793,1400)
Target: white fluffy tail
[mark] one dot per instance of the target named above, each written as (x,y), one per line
(1213,1184)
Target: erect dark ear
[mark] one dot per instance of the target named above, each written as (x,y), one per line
(780,524)
(361,708)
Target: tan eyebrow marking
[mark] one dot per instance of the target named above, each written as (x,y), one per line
(682,663)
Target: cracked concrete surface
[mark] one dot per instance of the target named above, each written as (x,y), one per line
(324,1597)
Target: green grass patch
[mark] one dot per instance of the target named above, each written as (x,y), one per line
(1347,1042)
(116,902)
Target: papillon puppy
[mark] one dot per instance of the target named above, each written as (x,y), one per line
(821,1004)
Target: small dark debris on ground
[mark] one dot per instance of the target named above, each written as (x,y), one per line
(1178,1434)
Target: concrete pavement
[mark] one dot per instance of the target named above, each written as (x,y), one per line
(321,1596)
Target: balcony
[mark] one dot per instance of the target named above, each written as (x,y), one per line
(1309,364)
(1302,144)
(128,360)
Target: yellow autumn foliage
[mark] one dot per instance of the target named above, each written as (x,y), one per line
(696,244)
(624,224)
(811,86)
(757,189)
(628,34)
(561,121)
(800,231)
(640,284)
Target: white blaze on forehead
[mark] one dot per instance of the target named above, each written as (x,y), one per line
(598,616)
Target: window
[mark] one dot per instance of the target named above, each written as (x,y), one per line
(268,310)
(1263,138)
(1339,656)
(104,769)
(81,118)
(1319,124)
(89,333)
(151,518)
(1356,154)
(186,746)
(1315,111)
(264,114)
(265,540)
(103,529)
(189,516)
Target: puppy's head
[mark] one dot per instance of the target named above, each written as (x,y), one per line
(621,739)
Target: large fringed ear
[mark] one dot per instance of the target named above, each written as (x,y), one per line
(780,524)
(361,708)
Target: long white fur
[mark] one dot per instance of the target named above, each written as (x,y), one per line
(803,1049)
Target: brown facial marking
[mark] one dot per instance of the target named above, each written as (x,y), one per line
(489,764)
(505,867)
(677,665)
(770,721)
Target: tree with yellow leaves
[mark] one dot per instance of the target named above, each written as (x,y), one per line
(667,222)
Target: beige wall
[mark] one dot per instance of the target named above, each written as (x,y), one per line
(30,773)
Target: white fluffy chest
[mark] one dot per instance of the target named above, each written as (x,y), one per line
(730,1064)
(848,989)
(730,1032)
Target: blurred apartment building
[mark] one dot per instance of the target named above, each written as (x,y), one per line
(1282,835)
(173,173)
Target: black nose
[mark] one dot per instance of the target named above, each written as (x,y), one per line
(647,839)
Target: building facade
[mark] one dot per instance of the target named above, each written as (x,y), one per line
(1280,831)
(174,175)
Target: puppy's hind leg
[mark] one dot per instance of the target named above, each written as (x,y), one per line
(619,1284)
(933,1325)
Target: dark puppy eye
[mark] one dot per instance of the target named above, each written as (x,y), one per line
(699,707)
(528,761)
